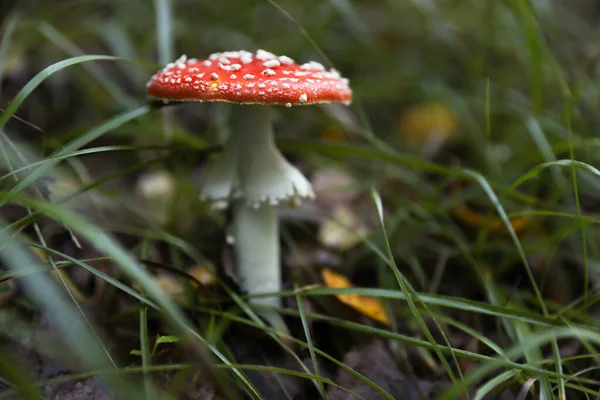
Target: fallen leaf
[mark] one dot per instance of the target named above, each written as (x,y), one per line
(88,389)
(334,134)
(492,223)
(343,231)
(14,61)
(374,360)
(368,306)
(204,274)
(426,127)
(157,188)
(172,286)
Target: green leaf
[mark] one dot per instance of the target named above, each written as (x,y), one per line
(86,138)
(41,77)
(68,46)
(167,339)
(493,383)
(107,245)
(59,309)
(535,171)
(409,293)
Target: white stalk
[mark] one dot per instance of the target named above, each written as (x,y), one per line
(264,175)
(257,250)
(265,179)
(254,172)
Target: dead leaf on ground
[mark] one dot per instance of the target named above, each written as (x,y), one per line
(157,188)
(368,306)
(334,133)
(89,389)
(205,274)
(343,230)
(374,361)
(492,223)
(14,61)
(172,286)
(271,385)
(426,127)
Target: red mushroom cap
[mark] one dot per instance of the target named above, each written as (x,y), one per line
(244,77)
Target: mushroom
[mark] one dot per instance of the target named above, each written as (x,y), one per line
(251,172)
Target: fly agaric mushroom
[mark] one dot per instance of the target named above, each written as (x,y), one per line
(251,171)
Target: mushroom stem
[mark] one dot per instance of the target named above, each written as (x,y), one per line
(265,179)
(264,175)
(257,250)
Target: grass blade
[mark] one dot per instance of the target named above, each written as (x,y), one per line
(40,77)
(410,292)
(107,245)
(60,310)
(8,32)
(164,29)
(311,350)
(74,145)
(493,383)
(70,48)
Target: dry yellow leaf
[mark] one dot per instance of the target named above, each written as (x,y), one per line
(426,127)
(204,274)
(172,286)
(365,305)
(343,231)
(422,120)
(492,223)
(334,134)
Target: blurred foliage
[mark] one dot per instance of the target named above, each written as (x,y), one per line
(513,82)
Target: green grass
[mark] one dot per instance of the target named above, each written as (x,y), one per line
(480,309)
